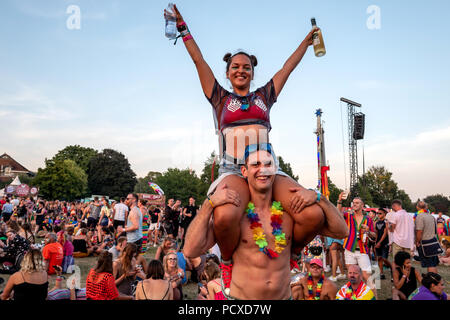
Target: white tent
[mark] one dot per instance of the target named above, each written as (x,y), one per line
(16,182)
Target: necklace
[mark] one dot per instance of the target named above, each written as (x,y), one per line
(349,294)
(276,212)
(310,287)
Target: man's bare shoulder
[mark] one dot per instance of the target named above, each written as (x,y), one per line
(328,284)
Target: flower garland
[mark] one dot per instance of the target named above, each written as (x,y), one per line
(349,294)
(310,287)
(276,212)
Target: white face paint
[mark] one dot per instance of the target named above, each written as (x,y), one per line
(264,161)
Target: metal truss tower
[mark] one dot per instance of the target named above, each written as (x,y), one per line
(352,142)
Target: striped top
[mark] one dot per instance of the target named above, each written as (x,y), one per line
(352,240)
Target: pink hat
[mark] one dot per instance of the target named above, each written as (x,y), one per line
(316,261)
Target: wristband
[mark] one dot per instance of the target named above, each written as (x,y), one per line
(184,33)
(210,202)
(318,195)
(339,202)
(181,26)
(188,37)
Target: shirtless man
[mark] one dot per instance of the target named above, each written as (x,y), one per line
(256,276)
(327,291)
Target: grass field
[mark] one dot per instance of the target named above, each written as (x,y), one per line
(190,289)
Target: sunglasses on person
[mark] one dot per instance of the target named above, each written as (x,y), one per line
(172,259)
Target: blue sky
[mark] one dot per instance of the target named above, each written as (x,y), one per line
(118,83)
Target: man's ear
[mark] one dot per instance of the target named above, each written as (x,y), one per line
(244,171)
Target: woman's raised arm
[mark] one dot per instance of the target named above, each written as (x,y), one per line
(280,78)
(204,71)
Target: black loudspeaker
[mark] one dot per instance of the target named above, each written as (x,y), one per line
(358,126)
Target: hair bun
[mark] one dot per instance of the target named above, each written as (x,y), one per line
(227,57)
(254,60)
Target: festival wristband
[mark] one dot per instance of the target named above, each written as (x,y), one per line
(184,33)
(188,37)
(181,26)
(318,195)
(210,202)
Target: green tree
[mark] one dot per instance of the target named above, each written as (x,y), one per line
(27,179)
(142,184)
(377,188)
(286,168)
(81,155)
(205,177)
(180,184)
(5,183)
(110,174)
(438,203)
(334,191)
(61,179)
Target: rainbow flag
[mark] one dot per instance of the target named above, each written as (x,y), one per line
(156,188)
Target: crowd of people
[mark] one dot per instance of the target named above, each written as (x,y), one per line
(375,235)
(119,233)
(224,245)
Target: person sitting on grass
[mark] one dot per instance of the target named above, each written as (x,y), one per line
(432,288)
(405,276)
(155,287)
(174,274)
(12,251)
(31,282)
(100,284)
(141,266)
(315,285)
(81,245)
(59,293)
(167,246)
(212,275)
(445,259)
(26,233)
(105,239)
(53,252)
(125,270)
(355,289)
(117,250)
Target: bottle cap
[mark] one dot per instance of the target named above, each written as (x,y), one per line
(313,21)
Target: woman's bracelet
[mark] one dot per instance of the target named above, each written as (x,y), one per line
(318,195)
(187,37)
(181,26)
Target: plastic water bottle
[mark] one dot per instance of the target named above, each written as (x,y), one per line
(171,22)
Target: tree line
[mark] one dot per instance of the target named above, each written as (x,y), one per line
(76,172)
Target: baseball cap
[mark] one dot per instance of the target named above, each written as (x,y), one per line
(316,261)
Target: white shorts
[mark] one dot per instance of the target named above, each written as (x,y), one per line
(358,258)
(153,226)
